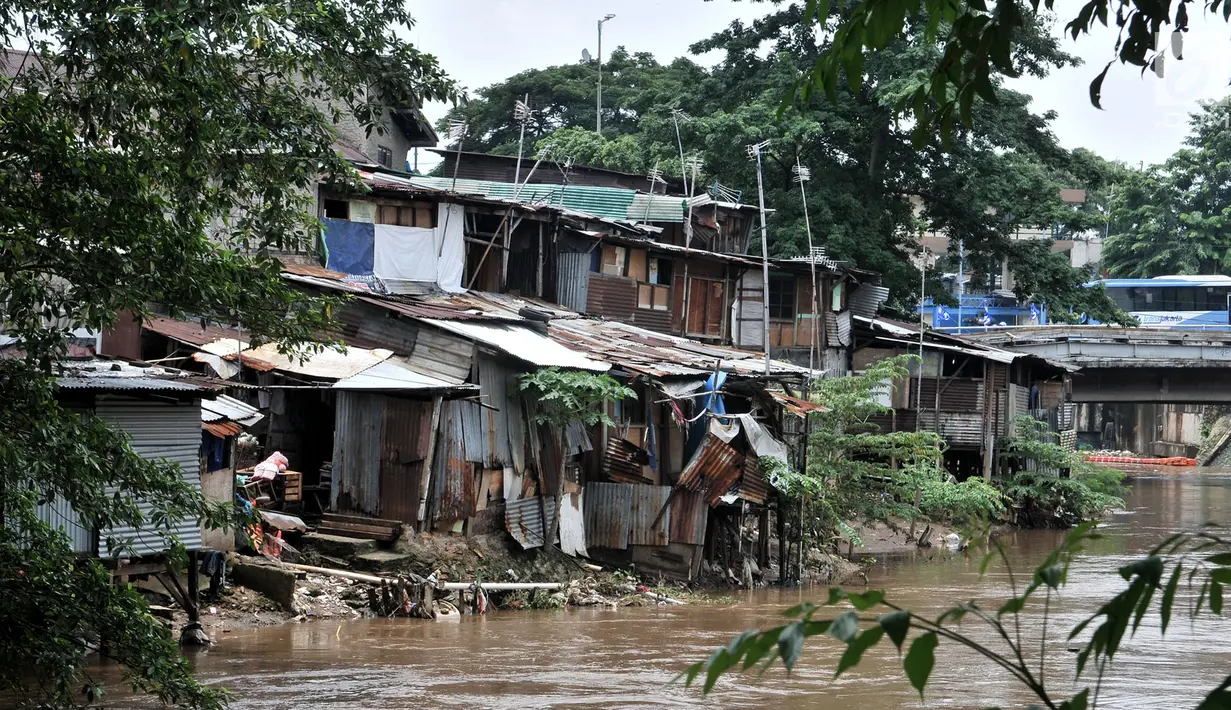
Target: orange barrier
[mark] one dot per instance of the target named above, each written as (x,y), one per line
(1172,461)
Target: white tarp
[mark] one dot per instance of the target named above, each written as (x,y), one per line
(573,525)
(421,254)
(521,342)
(761,441)
(451,247)
(405,253)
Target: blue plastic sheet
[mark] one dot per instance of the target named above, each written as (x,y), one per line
(349,246)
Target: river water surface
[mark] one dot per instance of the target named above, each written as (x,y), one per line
(626,658)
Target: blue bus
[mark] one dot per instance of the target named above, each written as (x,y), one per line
(1173,301)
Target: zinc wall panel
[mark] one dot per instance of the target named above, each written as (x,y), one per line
(405,433)
(689,512)
(608,514)
(158,430)
(649,504)
(356,453)
(573,280)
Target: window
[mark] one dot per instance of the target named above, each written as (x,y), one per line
(384,156)
(782,297)
(413,214)
(653,280)
(336,209)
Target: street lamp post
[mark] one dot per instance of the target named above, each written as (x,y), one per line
(598,115)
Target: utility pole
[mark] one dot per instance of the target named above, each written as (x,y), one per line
(803,175)
(754,151)
(598,114)
(923,270)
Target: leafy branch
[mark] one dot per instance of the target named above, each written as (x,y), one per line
(567,396)
(1203,558)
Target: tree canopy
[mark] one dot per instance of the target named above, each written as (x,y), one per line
(1175,218)
(872,191)
(152,152)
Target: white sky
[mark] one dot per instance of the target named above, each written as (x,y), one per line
(480,42)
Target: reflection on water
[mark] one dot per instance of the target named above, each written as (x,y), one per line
(626,658)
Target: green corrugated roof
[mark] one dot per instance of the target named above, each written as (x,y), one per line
(609,202)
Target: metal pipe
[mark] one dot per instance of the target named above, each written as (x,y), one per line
(598,113)
(501,586)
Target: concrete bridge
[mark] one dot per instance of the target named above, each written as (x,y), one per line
(1130,364)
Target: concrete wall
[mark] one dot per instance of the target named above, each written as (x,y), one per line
(1151,429)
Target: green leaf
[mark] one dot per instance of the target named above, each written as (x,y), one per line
(867,600)
(1222,558)
(920,659)
(799,610)
(845,626)
(1216,598)
(1077,702)
(1052,575)
(1169,597)
(791,644)
(1012,606)
(896,624)
(1222,575)
(1096,87)
(855,649)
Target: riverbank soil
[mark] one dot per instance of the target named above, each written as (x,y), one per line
(881,539)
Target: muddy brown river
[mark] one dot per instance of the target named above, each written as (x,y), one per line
(626,658)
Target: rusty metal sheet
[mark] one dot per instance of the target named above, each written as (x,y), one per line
(327,363)
(608,514)
(404,439)
(651,515)
(752,485)
(689,513)
(551,457)
(441,355)
(524,520)
(795,405)
(714,468)
(573,280)
(356,453)
(623,460)
(190,332)
(222,429)
(653,319)
(611,296)
(453,484)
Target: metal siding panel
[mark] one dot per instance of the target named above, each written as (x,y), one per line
(442,355)
(957,428)
(60,515)
(356,453)
(608,514)
(573,280)
(614,297)
(865,300)
(659,321)
(475,443)
(689,513)
(158,431)
(524,520)
(453,477)
(405,433)
(752,486)
(649,503)
(494,389)
(956,394)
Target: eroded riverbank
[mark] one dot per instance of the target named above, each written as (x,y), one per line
(626,657)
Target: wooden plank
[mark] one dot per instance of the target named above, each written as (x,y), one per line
(361,520)
(366,532)
(637,264)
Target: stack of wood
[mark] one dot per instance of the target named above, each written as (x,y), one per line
(360,527)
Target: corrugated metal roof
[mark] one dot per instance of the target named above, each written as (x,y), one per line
(116,375)
(222,429)
(795,405)
(714,468)
(327,363)
(190,332)
(394,375)
(645,351)
(523,343)
(224,407)
(609,202)
(524,520)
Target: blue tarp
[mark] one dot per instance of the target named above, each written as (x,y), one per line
(349,246)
